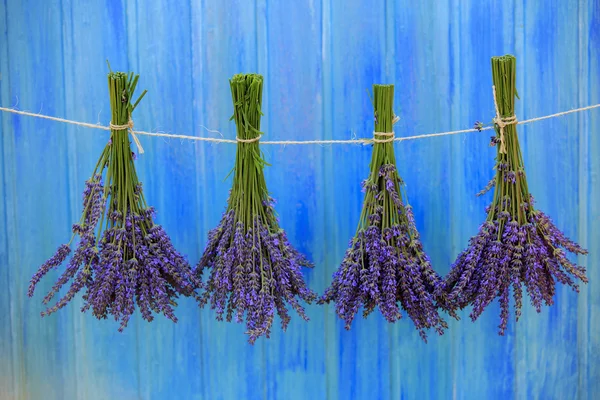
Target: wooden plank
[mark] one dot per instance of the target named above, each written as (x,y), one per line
(86,99)
(34,210)
(163,48)
(357,60)
(296,179)
(8,376)
(549,60)
(588,315)
(421,64)
(224,43)
(330,259)
(583,225)
(483,361)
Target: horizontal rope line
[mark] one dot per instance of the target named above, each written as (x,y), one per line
(292,142)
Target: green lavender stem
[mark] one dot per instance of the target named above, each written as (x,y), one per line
(249,187)
(503,75)
(121,177)
(383,154)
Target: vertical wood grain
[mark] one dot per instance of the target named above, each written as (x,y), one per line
(550,152)
(163,35)
(483,360)
(225,40)
(40,350)
(106,360)
(329,236)
(8,375)
(421,66)
(589,311)
(358,61)
(319,58)
(583,225)
(295,358)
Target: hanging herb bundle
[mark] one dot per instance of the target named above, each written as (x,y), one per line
(122,258)
(385,265)
(253,268)
(517,245)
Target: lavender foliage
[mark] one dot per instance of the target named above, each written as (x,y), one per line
(132,262)
(507,254)
(385,265)
(517,246)
(122,258)
(254,272)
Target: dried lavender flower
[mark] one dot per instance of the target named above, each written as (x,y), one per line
(385,265)
(517,245)
(254,270)
(122,258)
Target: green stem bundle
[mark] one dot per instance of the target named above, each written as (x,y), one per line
(517,245)
(254,271)
(123,258)
(385,265)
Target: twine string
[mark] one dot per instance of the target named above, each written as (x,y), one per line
(256,139)
(129,127)
(293,142)
(390,135)
(502,122)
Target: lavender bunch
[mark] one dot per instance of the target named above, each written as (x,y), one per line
(254,271)
(385,265)
(122,258)
(517,245)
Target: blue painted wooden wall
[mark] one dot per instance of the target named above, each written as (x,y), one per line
(319,59)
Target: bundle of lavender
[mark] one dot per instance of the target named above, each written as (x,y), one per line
(516,245)
(253,268)
(122,258)
(385,265)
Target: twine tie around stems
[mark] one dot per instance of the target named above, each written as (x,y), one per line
(502,122)
(390,135)
(256,139)
(129,127)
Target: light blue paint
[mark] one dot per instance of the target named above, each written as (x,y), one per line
(318,58)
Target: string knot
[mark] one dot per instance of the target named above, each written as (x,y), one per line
(256,139)
(129,127)
(390,135)
(502,122)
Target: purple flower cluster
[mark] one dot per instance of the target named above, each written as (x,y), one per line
(137,265)
(254,271)
(506,254)
(133,263)
(517,245)
(385,265)
(85,255)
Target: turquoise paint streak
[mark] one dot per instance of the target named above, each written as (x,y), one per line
(319,57)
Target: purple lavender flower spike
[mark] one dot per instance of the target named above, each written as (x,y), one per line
(517,246)
(253,270)
(122,259)
(385,266)
(56,260)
